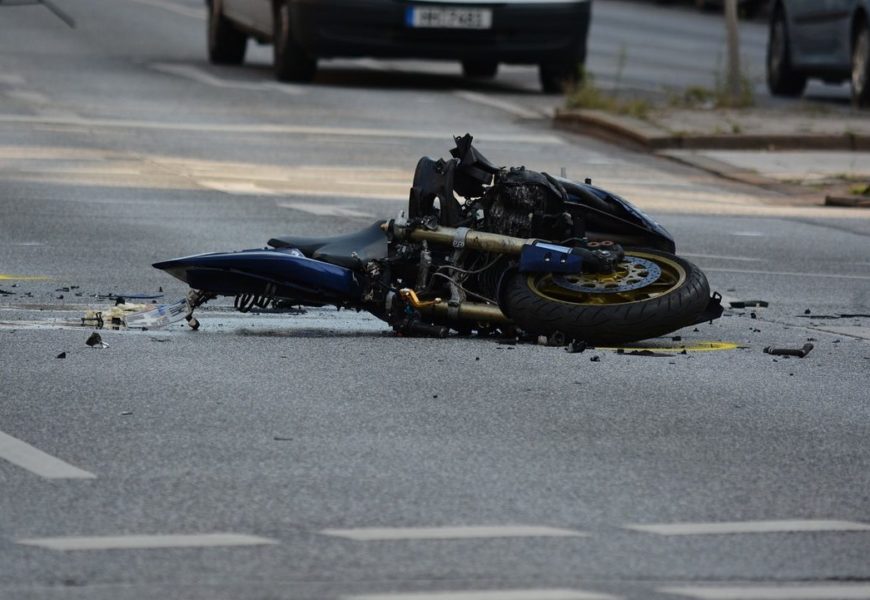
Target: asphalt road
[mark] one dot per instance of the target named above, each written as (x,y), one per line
(317,456)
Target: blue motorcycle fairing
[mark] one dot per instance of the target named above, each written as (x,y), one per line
(283,273)
(614,215)
(541,257)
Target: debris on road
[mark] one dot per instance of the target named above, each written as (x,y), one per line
(61,355)
(595,358)
(126,413)
(5,293)
(644,353)
(137,316)
(749,304)
(799,352)
(95,341)
(576,347)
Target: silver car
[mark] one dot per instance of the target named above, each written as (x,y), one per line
(825,39)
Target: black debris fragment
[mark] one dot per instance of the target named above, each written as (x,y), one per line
(647,353)
(61,355)
(576,347)
(696,330)
(799,352)
(808,312)
(6,293)
(678,338)
(749,304)
(752,315)
(434,395)
(126,413)
(96,341)
(278,438)
(595,359)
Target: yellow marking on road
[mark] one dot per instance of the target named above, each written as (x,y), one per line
(664,347)
(23,277)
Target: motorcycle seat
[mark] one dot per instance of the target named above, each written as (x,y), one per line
(350,250)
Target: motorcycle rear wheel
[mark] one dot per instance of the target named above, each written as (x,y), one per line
(585,307)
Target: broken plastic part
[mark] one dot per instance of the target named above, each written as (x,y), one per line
(799,352)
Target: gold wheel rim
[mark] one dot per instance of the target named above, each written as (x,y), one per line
(673,275)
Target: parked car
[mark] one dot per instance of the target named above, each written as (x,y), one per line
(827,40)
(479,33)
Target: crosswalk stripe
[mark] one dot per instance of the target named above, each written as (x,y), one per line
(134,542)
(733,527)
(450,533)
(778,592)
(38,462)
(543,594)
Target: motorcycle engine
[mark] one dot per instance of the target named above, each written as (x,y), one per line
(528,204)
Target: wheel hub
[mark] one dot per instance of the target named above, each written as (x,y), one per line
(631,274)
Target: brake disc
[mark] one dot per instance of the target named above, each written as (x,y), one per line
(631,274)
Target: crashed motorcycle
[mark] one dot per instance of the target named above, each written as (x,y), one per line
(482,249)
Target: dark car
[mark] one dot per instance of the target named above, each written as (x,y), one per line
(480,33)
(828,40)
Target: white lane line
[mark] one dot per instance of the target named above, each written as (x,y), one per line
(450,533)
(552,594)
(784,526)
(274,129)
(36,461)
(204,77)
(236,187)
(722,257)
(778,592)
(133,542)
(324,210)
(789,274)
(175,8)
(502,105)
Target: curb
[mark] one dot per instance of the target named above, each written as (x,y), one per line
(850,201)
(637,133)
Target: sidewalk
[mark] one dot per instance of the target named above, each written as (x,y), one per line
(809,151)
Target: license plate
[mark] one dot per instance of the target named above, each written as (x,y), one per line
(448,18)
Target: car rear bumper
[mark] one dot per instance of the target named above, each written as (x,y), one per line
(532,32)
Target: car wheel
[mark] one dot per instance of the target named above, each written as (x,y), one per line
(557,78)
(861,68)
(226,44)
(291,62)
(480,69)
(782,78)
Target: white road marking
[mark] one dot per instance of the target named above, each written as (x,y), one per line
(236,187)
(553,594)
(722,257)
(26,96)
(450,533)
(204,77)
(502,105)
(748,233)
(777,592)
(36,461)
(134,542)
(176,8)
(785,526)
(273,129)
(329,210)
(789,274)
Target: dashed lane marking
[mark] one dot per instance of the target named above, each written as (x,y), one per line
(38,462)
(138,542)
(502,105)
(518,138)
(733,527)
(175,8)
(777,592)
(552,594)
(7,277)
(204,77)
(790,274)
(367,534)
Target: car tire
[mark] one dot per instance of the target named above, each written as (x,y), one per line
(861,68)
(291,62)
(480,69)
(557,78)
(226,44)
(782,78)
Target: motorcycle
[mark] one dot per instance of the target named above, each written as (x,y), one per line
(482,249)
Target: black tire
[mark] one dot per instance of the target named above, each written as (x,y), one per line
(861,67)
(226,44)
(557,78)
(291,62)
(480,69)
(674,300)
(782,78)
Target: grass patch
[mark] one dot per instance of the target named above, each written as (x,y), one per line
(588,95)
